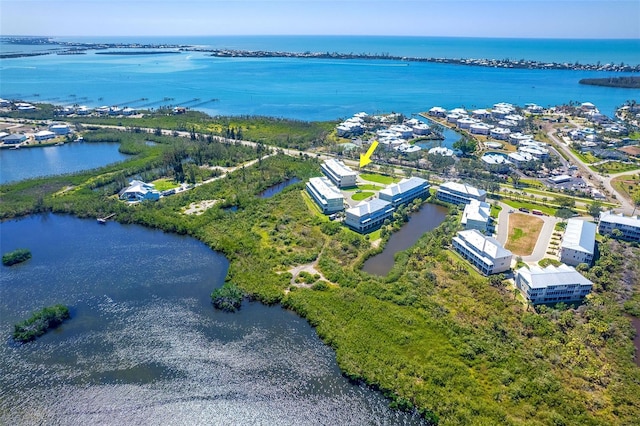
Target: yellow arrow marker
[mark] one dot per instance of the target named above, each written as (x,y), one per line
(366,158)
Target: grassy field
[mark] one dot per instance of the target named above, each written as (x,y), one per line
(365,187)
(627,185)
(371,177)
(615,167)
(531,206)
(523,233)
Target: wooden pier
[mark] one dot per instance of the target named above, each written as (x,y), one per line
(103,220)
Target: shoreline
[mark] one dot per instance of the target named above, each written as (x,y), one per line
(70,48)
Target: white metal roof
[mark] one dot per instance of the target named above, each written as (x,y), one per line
(551,276)
(580,235)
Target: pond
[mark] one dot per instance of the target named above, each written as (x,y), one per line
(145,346)
(277,188)
(429,217)
(26,163)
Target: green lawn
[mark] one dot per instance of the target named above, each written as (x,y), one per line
(164,184)
(495,211)
(366,186)
(373,177)
(359,196)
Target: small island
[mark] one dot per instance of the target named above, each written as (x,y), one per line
(621,82)
(16,256)
(227,298)
(40,322)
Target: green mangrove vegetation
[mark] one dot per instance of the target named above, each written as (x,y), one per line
(227,298)
(16,256)
(433,335)
(40,322)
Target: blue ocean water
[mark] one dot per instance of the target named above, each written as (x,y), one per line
(319,89)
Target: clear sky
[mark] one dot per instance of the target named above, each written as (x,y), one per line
(457,18)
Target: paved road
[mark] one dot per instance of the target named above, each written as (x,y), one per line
(626,208)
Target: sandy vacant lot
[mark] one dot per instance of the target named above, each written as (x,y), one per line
(523,233)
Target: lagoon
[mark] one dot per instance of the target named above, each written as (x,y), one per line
(426,219)
(145,346)
(27,163)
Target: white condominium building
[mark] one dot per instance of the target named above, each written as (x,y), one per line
(476,215)
(325,194)
(368,215)
(552,284)
(459,193)
(340,174)
(485,253)
(578,243)
(405,191)
(629,226)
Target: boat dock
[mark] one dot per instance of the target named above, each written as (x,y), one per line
(103,220)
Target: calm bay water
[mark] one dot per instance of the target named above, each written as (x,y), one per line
(426,219)
(26,163)
(319,89)
(145,346)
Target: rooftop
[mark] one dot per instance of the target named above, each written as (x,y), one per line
(463,189)
(580,235)
(369,207)
(619,218)
(403,186)
(538,277)
(487,245)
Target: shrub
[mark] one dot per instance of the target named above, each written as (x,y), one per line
(40,322)
(16,256)
(227,298)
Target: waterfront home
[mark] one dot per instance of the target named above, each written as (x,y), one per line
(465,123)
(325,194)
(480,114)
(368,215)
(44,135)
(341,175)
(453,118)
(578,243)
(102,110)
(479,129)
(496,162)
(139,191)
(516,138)
(536,152)
(441,150)
(476,215)
(405,191)
(519,158)
(508,124)
(24,106)
(552,284)
(129,111)
(459,193)
(115,110)
(4,103)
(60,129)
(405,132)
(499,133)
(406,148)
(629,226)
(421,129)
(14,138)
(437,111)
(532,108)
(484,253)
(83,110)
